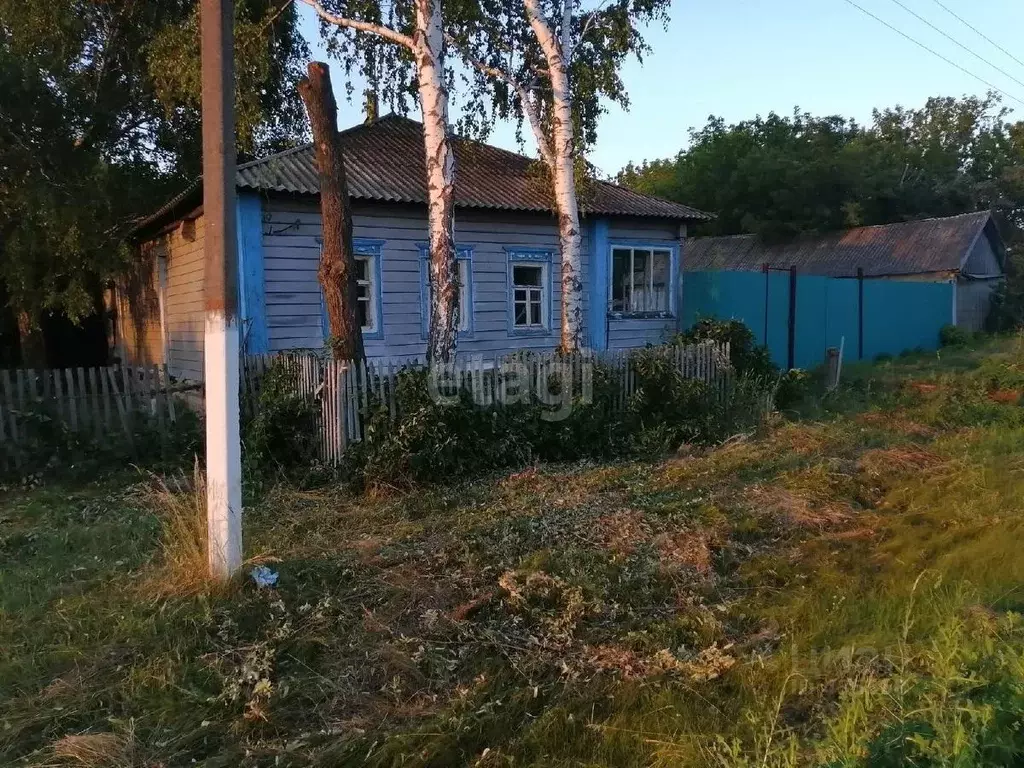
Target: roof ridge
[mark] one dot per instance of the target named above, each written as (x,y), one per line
(913,221)
(820,234)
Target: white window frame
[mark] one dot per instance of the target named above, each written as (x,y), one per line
(368,250)
(464,259)
(530,257)
(542,290)
(669,309)
(370,282)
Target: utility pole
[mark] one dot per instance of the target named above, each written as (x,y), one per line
(223,447)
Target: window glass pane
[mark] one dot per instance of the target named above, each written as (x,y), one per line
(535,311)
(365,312)
(526,275)
(520,313)
(641,280)
(660,281)
(463,300)
(620,280)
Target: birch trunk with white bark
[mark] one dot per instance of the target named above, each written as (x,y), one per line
(562,169)
(440,161)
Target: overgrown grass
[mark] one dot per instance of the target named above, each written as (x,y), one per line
(842,589)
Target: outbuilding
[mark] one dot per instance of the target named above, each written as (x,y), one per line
(875,290)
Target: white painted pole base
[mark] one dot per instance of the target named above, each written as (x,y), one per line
(223,446)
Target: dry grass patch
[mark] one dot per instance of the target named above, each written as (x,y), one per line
(804,439)
(902,459)
(180,504)
(795,510)
(896,422)
(686,550)
(621,532)
(93,750)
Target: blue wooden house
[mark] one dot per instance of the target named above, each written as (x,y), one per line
(507,243)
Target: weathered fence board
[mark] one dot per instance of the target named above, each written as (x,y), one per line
(89,401)
(347,392)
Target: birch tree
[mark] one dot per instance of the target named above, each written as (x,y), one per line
(415,31)
(550,64)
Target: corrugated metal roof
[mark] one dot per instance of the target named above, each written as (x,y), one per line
(384,162)
(907,248)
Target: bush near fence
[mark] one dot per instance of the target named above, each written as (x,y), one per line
(66,419)
(383,424)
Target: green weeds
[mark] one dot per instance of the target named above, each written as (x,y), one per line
(839,590)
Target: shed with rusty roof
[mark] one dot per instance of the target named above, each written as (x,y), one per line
(903,282)
(507,242)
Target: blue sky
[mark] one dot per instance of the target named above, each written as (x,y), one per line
(739,58)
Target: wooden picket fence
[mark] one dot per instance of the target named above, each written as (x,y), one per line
(347,391)
(104,402)
(108,402)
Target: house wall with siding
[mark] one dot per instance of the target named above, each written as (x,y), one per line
(974,296)
(293,306)
(139,332)
(982,261)
(177,338)
(184,303)
(973,302)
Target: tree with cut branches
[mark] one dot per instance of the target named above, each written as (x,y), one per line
(413,38)
(337,256)
(550,64)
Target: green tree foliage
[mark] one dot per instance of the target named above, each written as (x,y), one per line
(776,176)
(497,34)
(99,123)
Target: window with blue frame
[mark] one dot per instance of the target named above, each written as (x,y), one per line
(368,290)
(464,299)
(529,291)
(366,296)
(641,280)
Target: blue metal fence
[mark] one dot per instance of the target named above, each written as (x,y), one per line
(874,316)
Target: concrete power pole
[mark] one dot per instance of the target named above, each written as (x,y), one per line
(223,447)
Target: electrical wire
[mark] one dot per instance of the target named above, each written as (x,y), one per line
(977,31)
(932,51)
(949,37)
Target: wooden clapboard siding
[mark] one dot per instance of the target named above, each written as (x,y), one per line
(184,303)
(140,335)
(292,308)
(291,254)
(982,260)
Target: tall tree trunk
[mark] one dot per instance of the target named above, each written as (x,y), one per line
(563,172)
(337,260)
(440,160)
(31,341)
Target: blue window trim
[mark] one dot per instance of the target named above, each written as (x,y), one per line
(673,249)
(363,247)
(597,315)
(541,256)
(462,253)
